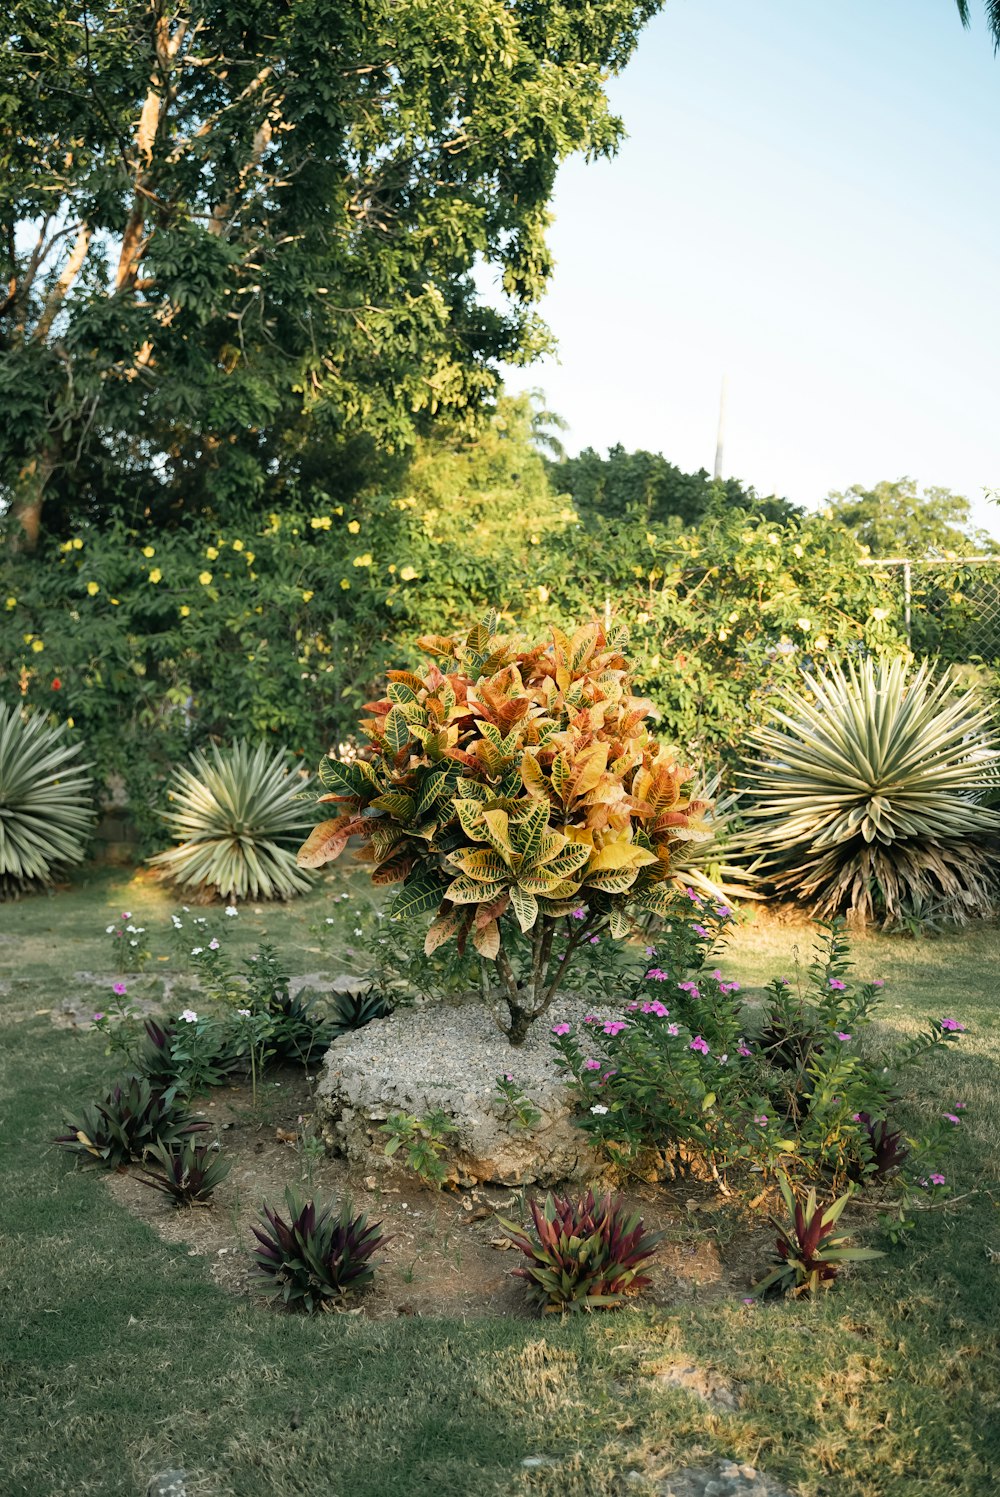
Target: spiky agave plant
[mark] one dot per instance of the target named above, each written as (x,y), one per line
(46,801)
(584,1253)
(865,795)
(318,1255)
(809,1254)
(238,818)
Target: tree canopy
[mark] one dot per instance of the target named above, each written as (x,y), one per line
(238,235)
(897,519)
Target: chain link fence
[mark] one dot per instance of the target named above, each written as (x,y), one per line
(950,608)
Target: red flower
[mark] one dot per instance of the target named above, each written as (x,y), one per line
(57,684)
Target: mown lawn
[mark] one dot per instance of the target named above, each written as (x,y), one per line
(122,1358)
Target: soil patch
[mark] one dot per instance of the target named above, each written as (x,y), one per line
(447,1255)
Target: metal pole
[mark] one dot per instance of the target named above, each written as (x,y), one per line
(721,434)
(907,593)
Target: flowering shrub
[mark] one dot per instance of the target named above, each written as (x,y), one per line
(583,1254)
(683,1073)
(506,789)
(130,952)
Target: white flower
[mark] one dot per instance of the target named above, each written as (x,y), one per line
(358,931)
(178,924)
(213,944)
(345,896)
(140,930)
(231,910)
(244,1011)
(109,930)
(133,943)
(189,1016)
(197,950)
(330,920)
(126,914)
(598,1108)
(186,909)
(130,927)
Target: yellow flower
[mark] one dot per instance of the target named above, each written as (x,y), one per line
(650,538)
(345,584)
(543,595)
(772,539)
(237,545)
(338,509)
(28,638)
(70,722)
(723,633)
(353,526)
(536,540)
(11,602)
(797,550)
(642,618)
(249,558)
(149,550)
(204,578)
(212,553)
(880,613)
(155,575)
(637,571)
(568,514)
(804,624)
(77,544)
(392,567)
(363,561)
(114,601)
(408,573)
(37,646)
(306,596)
(321,522)
(66,546)
(184,610)
(93,589)
(734,616)
(820,642)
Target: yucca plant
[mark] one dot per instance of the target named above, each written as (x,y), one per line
(584,1254)
(238,816)
(865,795)
(318,1255)
(809,1255)
(132,1119)
(188,1172)
(357,1007)
(46,801)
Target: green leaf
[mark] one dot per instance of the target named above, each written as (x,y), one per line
(396,731)
(422,892)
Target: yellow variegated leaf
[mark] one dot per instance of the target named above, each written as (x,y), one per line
(619,854)
(486,940)
(484,864)
(615,881)
(533,776)
(496,829)
(527,832)
(587,770)
(439,931)
(466,890)
(524,905)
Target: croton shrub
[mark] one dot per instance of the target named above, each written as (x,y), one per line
(512,786)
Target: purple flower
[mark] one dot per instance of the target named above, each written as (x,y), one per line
(119,989)
(673,1030)
(594,941)
(593,1019)
(937,1179)
(855,1117)
(743,1050)
(699,930)
(843,1038)
(729,987)
(960,1106)
(951,1117)
(879,982)
(560,1029)
(694,898)
(723,911)
(656,974)
(760,1118)
(748,1299)
(650,950)
(615,1026)
(630,1007)
(578,915)
(837,985)
(689,987)
(508,1076)
(592,1065)
(213,944)
(98,1016)
(952,1026)
(699,1044)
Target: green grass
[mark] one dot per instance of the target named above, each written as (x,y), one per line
(121,1358)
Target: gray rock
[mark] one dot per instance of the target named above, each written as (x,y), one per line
(167,1484)
(725,1480)
(448,1058)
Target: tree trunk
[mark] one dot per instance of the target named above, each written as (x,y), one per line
(29,494)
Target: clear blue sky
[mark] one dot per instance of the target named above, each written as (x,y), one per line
(808,201)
